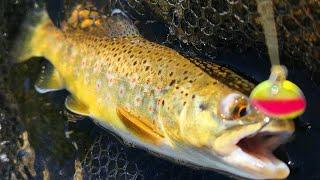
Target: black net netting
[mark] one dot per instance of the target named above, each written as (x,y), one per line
(208,28)
(108,159)
(218,26)
(10,142)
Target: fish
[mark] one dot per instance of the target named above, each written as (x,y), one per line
(187,110)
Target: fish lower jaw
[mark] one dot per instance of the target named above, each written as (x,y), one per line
(253,153)
(260,169)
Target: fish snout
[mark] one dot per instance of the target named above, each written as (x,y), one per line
(250,148)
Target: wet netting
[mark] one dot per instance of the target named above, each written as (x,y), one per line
(107,159)
(10,142)
(214,27)
(37,143)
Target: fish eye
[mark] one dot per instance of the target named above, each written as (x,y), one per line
(203,107)
(239,110)
(233,106)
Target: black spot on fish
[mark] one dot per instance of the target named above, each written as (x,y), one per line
(172,82)
(203,107)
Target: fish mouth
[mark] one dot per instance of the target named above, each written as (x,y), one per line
(252,151)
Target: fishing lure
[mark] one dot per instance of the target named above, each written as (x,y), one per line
(278,97)
(275,97)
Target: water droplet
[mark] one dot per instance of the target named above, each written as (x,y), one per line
(291,163)
(4,143)
(2,116)
(274,90)
(4,158)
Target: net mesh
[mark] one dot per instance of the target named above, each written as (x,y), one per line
(10,128)
(209,28)
(106,158)
(213,27)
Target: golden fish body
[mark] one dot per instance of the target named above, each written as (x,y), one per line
(155,98)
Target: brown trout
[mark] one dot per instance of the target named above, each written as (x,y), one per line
(188,111)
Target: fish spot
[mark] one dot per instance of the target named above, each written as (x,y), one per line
(159,101)
(121,90)
(151,108)
(98,84)
(159,72)
(134,80)
(172,82)
(158,90)
(83,63)
(138,100)
(203,107)
(147,68)
(110,79)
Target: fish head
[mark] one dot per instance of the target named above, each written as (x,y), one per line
(228,127)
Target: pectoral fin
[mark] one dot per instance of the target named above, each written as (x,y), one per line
(49,80)
(138,127)
(76,106)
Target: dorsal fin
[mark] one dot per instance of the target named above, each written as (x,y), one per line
(88,18)
(119,25)
(224,75)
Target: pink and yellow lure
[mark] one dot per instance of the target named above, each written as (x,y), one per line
(278,97)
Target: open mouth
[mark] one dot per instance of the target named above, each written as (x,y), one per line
(261,145)
(253,152)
